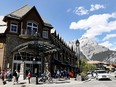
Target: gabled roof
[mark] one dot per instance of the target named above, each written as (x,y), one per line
(21,12)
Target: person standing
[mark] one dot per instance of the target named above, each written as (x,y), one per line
(17,77)
(58,74)
(29,76)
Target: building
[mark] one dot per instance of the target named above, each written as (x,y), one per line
(29,43)
(98,64)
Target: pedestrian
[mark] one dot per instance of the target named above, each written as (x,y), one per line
(18,75)
(2,75)
(58,74)
(14,77)
(9,75)
(49,76)
(29,76)
(65,74)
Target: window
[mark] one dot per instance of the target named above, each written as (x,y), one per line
(45,34)
(31,28)
(14,27)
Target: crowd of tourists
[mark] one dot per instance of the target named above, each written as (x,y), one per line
(8,75)
(63,74)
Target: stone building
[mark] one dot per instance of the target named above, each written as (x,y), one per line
(28,42)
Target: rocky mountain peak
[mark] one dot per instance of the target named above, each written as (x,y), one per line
(88,47)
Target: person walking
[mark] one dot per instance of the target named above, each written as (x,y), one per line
(9,75)
(29,76)
(49,76)
(14,77)
(2,75)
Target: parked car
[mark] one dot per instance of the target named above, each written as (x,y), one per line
(102,74)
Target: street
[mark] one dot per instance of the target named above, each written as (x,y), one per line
(72,83)
(69,83)
(96,83)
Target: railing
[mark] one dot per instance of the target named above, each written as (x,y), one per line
(28,34)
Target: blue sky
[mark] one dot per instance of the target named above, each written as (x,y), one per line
(74,19)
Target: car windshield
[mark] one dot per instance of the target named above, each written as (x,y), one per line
(101,71)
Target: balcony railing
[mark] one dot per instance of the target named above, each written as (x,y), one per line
(28,34)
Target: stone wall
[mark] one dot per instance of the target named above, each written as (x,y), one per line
(11,42)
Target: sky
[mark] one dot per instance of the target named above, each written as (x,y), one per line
(74,19)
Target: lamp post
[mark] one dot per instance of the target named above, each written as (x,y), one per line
(77,43)
(35,55)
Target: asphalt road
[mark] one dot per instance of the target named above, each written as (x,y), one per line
(92,83)
(101,83)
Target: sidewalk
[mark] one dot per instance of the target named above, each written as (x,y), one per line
(24,83)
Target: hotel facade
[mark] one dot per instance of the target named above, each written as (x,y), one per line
(29,43)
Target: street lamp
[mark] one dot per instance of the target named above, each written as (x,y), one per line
(36,51)
(77,43)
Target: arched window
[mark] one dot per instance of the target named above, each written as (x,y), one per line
(32,28)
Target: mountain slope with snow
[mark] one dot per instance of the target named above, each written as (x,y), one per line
(93,51)
(88,47)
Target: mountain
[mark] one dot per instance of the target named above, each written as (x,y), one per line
(93,51)
(88,47)
(106,56)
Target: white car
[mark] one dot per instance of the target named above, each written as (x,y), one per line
(102,74)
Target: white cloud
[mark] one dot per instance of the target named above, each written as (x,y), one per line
(109,36)
(106,44)
(95,25)
(96,7)
(111,46)
(80,10)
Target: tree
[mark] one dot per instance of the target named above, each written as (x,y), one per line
(85,67)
